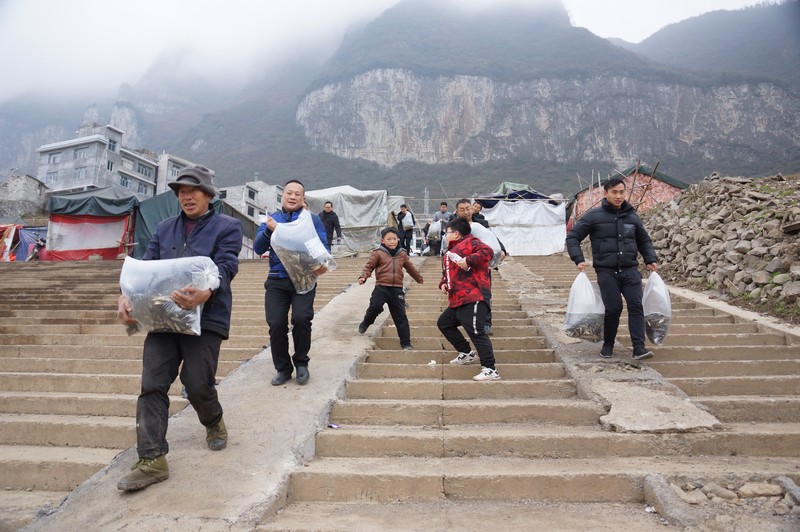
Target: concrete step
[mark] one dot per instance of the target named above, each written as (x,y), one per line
(75,383)
(439,343)
(748,385)
(67,431)
(122,352)
(751,408)
(89,365)
(440,412)
(619,479)
(50,468)
(468,389)
(90,340)
(501,331)
(425,356)
(708,340)
(546,441)
(722,368)
(79,404)
(446,514)
(719,352)
(454,372)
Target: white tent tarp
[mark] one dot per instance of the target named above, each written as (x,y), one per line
(362,214)
(528,227)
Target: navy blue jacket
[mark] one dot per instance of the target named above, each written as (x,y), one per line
(617,237)
(216,236)
(262,242)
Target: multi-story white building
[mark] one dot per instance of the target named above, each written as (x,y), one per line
(97,158)
(253,198)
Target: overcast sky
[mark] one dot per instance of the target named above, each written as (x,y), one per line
(64,46)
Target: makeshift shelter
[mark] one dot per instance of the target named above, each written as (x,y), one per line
(524,220)
(162,206)
(362,214)
(645,187)
(94,222)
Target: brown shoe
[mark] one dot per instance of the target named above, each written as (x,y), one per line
(217,436)
(145,472)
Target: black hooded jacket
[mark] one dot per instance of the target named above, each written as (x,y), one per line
(617,237)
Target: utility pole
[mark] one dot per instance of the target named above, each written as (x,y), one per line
(427,204)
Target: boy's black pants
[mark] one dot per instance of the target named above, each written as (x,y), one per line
(395,298)
(472,317)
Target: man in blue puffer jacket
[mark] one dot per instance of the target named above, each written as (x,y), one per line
(197,231)
(281,295)
(617,235)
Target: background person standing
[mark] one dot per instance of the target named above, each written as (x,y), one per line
(330,220)
(405,227)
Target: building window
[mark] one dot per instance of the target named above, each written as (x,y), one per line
(223,194)
(251,193)
(125,181)
(110,165)
(145,170)
(80,154)
(54,158)
(175,170)
(250,211)
(51,177)
(143,188)
(112,145)
(80,173)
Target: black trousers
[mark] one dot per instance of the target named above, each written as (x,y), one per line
(279,297)
(395,298)
(163,354)
(628,283)
(472,317)
(405,240)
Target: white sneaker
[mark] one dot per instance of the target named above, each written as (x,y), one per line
(466,358)
(487,374)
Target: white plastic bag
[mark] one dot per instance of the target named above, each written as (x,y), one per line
(585,310)
(150,283)
(435,231)
(301,251)
(657,308)
(487,237)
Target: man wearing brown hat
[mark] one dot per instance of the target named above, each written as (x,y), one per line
(197,231)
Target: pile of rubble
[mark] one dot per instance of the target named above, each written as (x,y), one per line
(739,237)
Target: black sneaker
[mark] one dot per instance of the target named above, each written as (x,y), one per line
(607,351)
(641,353)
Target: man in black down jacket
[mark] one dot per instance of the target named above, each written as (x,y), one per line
(331,222)
(617,236)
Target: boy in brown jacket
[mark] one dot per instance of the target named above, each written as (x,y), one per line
(388,262)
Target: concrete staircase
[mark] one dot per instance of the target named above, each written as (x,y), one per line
(416,444)
(70,375)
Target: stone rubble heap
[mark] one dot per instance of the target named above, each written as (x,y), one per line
(729,234)
(779,497)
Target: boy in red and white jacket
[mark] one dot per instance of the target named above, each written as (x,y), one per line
(465,278)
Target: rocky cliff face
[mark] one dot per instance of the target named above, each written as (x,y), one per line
(390,115)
